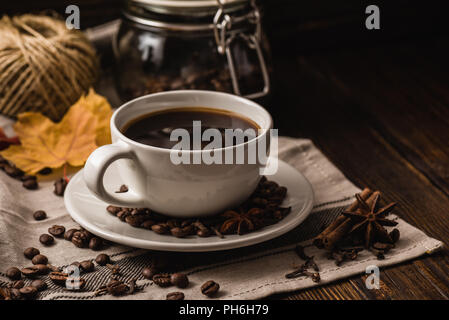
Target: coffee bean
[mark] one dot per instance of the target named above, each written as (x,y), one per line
(87,266)
(26,177)
(148,273)
(210,288)
(102,259)
(116,288)
(28,292)
(122,214)
(45,171)
(123,189)
(39,285)
(59,278)
(18,284)
(57,231)
(180,280)
(39,215)
(76,264)
(30,184)
(175,296)
(69,234)
(95,243)
(36,270)
(46,239)
(147,224)
(162,279)
(39,259)
(60,186)
(160,228)
(31,252)
(178,232)
(113,210)
(87,234)
(188,230)
(134,221)
(203,233)
(80,239)
(13,171)
(13,273)
(15,294)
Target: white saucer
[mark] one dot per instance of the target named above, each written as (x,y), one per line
(91,214)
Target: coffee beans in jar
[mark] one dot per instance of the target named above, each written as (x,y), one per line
(185,54)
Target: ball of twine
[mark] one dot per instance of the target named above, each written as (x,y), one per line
(44,66)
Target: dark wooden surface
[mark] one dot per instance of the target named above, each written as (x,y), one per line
(377,104)
(380,112)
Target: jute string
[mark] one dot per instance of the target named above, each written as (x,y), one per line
(44,66)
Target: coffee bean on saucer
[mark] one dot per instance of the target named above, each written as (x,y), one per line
(95,243)
(39,259)
(39,285)
(69,234)
(13,273)
(46,239)
(60,186)
(149,272)
(113,210)
(18,284)
(180,280)
(160,228)
(28,292)
(175,296)
(210,288)
(39,215)
(147,224)
(31,252)
(162,280)
(80,239)
(87,266)
(134,221)
(203,233)
(102,259)
(57,231)
(178,232)
(30,184)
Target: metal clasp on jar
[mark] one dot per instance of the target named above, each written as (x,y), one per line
(223,24)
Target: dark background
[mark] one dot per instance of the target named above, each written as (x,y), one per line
(376,102)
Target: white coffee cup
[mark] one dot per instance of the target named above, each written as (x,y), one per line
(154,181)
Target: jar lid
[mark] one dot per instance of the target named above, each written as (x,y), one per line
(187,6)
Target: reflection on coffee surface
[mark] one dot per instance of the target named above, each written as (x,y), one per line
(155,129)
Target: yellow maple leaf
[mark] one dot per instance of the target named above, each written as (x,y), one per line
(47,144)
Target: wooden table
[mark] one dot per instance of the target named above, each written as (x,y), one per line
(381,114)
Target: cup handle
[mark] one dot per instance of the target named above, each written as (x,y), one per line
(96,166)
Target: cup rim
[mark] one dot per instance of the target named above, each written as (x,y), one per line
(124,138)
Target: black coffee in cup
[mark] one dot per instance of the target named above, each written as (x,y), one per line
(155,129)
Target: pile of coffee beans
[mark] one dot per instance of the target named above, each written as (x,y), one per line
(28,181)
(263,208)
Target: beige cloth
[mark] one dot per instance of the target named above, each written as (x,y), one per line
(247,273)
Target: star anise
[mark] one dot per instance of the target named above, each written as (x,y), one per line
(371,221)
(243,221)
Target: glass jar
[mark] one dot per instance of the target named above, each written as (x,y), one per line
(191,44)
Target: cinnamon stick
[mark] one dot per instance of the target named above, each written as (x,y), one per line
(322,238)
(331,239)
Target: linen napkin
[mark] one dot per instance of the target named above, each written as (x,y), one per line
(247,273)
